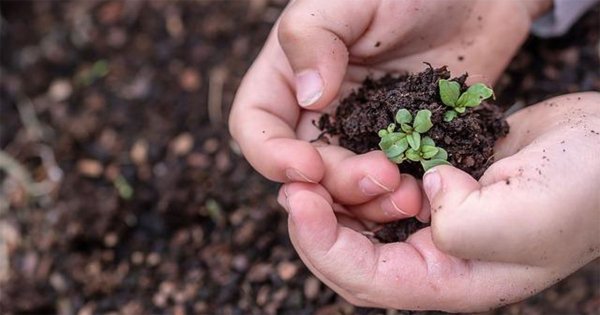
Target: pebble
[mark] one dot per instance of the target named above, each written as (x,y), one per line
(240,262)
(259,272)
(137,258)
(89,167)
(57,281)
(211,145)
(182,144)
(311,287)
(139,152)
(190,80)
(198,160)
(60,90)
(153,259)
(286,270)
(111,239)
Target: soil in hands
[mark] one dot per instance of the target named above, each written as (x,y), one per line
(469,138)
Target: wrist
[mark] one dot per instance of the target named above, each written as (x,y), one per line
(537,8)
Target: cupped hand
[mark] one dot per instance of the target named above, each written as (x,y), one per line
(532,219)
(320,50)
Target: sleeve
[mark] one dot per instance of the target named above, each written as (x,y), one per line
(564,14)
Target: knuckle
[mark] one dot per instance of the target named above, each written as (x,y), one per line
(444,233)
(290,30)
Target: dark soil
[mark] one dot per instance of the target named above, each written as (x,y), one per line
(469,139)
(202,232)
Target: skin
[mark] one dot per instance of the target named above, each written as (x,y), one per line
(344,41)
(545,231)
(530,221)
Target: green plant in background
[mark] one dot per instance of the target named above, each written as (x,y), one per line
(472,97)
(408,142)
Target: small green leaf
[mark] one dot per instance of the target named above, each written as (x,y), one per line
(397,148)
(403,116)
(427,141)
(449,92)
(391,127)
(399,159)
(413,155)
(429,151)
(389,139)
(474,95)
(450,115)
(427,164)
(440,155)
(423,121)
(382,133)
(460,110)
(406,128)
(414,140)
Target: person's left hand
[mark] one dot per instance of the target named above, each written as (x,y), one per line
(532,219)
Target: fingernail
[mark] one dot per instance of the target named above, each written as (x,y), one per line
(297,176)
(309,87)
(389,207)
(432,183)
(370,186)
(282,199)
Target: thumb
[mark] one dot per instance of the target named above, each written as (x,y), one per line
(490,222)
(314,36)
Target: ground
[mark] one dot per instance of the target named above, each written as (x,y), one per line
(128,194)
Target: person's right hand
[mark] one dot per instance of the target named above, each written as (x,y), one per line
(531,219)
(320,50)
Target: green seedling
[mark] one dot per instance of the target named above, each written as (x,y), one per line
(472,97)
(408,142)
(428,154)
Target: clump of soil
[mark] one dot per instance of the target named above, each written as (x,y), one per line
(469,138)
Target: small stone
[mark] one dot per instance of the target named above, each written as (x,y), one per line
(182,144)
(263,295)
(287,270)
(311,287)
(159,300)
(117,37)
(153,259)
(137,258)
(259,272)
(167,288)
(211,145)
(198,160)
(240,263)
(87,309)
(139,152)
(57,281)
(179,309)
(111,239)
(223,161)
(89,167)
(60,90)
(190,80)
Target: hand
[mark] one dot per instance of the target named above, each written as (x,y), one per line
(532,219)
(320,50)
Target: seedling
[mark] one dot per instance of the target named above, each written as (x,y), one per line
(472,97)
(407,143)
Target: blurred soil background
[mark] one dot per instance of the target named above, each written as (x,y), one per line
(122,192)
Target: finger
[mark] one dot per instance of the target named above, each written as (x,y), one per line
(315,35)
(412,275)
(424,214)
(491,222)
(404,202)
(526,196)
(354,179)
(470,45)
(263,122)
